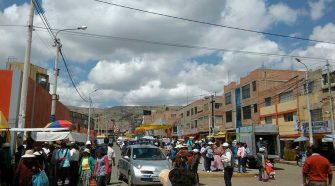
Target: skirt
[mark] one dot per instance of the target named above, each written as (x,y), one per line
(85,177)
(217,164)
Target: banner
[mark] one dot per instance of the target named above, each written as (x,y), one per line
(317,127)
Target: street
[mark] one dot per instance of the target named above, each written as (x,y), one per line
(287,175)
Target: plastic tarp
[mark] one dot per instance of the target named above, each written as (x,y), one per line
(55,136)
(38,129)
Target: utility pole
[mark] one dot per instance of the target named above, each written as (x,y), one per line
(311,140)
(212,118)
(89,120)
(58,45)
(26,67)
(330,102)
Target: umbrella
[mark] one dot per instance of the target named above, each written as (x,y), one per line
(59,124)
(300,139)
(330,136)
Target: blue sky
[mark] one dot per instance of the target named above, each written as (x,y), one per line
(135,73)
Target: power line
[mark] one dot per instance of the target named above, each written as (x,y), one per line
(213,24)
(91,35)
(68,72)
(43,18)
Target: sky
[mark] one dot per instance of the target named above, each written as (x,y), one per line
(133,72)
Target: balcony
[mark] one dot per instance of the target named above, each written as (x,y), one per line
(287,106)
(267,110)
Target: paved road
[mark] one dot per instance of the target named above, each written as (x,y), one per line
(287,175)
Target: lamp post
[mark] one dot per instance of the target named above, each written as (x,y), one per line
(58,46)
(311,141)
(89,114)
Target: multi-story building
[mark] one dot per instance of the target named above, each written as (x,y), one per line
(196,117)
(242,100)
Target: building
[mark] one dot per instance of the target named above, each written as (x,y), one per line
(242,100)
(196,118)
(38,100)
(320,109)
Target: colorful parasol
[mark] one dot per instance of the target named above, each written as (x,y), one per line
(59,124)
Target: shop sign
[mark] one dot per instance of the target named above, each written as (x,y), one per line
(317,127)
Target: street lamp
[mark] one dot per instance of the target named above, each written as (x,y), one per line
(311,141)
(89,114)
(58,46)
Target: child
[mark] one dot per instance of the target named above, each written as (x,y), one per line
(269,169)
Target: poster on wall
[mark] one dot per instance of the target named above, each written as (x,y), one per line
(317,127)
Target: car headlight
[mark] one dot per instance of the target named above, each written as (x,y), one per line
(137,171)
(139,166)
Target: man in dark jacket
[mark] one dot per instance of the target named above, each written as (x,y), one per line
(195,164)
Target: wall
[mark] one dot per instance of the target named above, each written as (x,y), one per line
(5,91)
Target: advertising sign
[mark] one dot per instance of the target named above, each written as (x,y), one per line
(317,127)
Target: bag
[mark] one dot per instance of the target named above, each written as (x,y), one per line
(40,179)
(265,176)
(60,163)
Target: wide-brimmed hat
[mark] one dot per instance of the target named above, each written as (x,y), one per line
(28,154)
(225,145)
(195,150)
(210,143)
(88,143)
(87,151)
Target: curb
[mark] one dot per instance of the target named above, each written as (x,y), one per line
(220,174)
(288,163)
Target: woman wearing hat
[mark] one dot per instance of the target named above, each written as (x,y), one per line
(101,168)
(28,166)
(86,168)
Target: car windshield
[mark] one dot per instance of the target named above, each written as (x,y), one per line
(148,154)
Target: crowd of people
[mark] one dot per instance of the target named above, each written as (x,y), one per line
(63,163)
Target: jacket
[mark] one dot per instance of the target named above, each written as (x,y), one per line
(90,162)
(227,158)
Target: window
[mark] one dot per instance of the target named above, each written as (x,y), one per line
(254,86)
(195,110)
(173,115)
(218,120)
(218,105)
(182,115)
(267,101)
(268,120)
(246,91)
(188,113)
(195,123)
(229,116)
(206,106)
(316,114)
(310,87)
(247,112)
(227,98)
(255,108)
(288,117)
(192,111)
(285,96)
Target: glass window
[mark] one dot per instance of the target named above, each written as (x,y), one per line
(255,108)
(229,116)
(254,86)
(195,110)
(268,120)
(148,154)
(192,111)
(286,96)
(310,87)
(218,105)
(316,114)
(188,113)
(246,91)
(227,98)
(195,123)
(288,117)
(247,112)
(267,101)
(182,115)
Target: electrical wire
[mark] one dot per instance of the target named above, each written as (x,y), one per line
(91,35)
(213,24)
(43,19)
(72,81)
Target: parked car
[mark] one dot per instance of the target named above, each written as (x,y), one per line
(141,165)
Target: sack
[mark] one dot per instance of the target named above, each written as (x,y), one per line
(265,176)
(93,182)
(40,179)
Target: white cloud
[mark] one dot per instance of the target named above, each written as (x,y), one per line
(318,8)
(134,73)
(282,12)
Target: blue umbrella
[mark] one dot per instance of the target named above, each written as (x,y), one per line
(300,139)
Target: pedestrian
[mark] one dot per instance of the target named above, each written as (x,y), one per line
(111,161)
(189,143)
(18,154)
(245,158)
(101,168)
(195,164)
(240,156)
(27,167)
(317,170)
(88,145)
(203,153)
(261,159)
(74,164)
(86,168)
(218,151)
(63,157)
(228,164)
(209,157)
(5,165)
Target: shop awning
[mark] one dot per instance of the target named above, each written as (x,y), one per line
(3,122)
(220,135)
(56,136)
